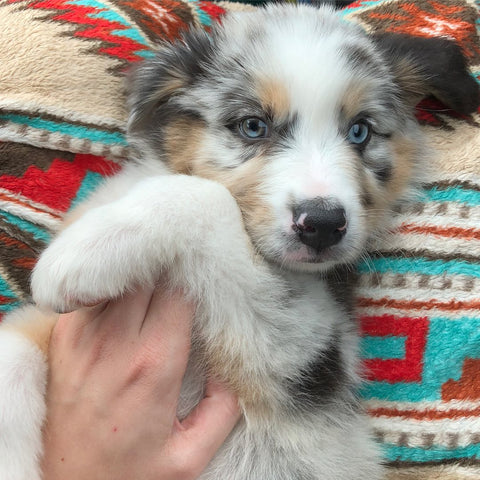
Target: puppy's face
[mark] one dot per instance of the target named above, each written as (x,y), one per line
(302,117)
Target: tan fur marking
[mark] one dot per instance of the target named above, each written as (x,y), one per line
(405,151)
(244,183)
(274,98)
(34,325)
(376,197)
(410,80)
(183,138)
(353,100)
(168,88)
(246,188)
(253,389)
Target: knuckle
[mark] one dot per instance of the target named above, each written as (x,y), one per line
(143,365)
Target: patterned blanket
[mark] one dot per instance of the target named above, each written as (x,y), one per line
(62,121)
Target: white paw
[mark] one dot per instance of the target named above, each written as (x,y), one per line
(87,263)
(134,240)
(23,372)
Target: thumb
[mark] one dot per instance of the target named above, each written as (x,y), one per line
(205,429)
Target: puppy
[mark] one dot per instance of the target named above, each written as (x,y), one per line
(267,152)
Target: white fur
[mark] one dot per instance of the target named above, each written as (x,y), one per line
(23,374)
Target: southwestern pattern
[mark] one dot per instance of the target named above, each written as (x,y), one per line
(50,100)
(418,293)
(37,187)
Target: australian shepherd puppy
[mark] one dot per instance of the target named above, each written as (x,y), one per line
(267,152)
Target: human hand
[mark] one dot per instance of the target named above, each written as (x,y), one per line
(115,377)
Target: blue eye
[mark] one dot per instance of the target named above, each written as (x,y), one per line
(253,128)
(359,133)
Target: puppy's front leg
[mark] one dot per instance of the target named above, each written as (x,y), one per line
(164,225)
(190,232)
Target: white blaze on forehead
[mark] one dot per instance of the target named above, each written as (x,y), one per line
(310,63)
(312,67)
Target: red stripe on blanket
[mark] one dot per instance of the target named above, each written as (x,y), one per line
(407,369)
(447,232)
(57,186)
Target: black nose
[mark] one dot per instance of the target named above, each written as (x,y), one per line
(319,223)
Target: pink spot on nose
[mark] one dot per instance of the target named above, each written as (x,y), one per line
(301,220)
(299,224)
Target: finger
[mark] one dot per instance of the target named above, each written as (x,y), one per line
(111,322)
(201,434)
(167,326)
(157,357)
(70,326)
(126,314)
(172,308)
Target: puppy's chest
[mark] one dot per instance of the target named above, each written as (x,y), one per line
(320,300)
(320,308)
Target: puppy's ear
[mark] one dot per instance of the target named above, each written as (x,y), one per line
(430,66)
(156,81)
